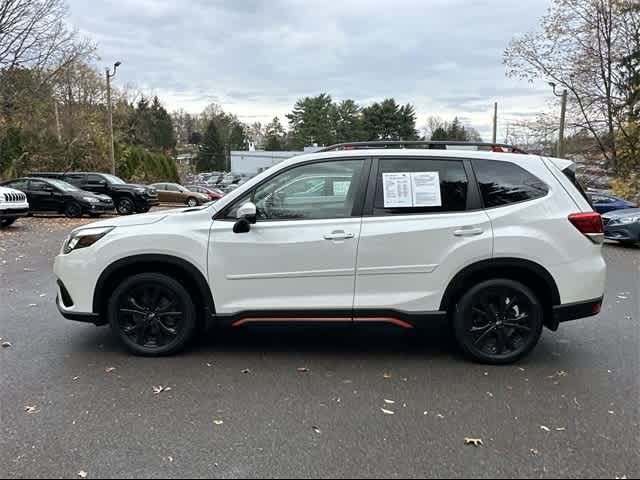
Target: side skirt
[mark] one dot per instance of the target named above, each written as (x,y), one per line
(397,318)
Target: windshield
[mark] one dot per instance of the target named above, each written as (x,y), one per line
(64,186)
(113,180)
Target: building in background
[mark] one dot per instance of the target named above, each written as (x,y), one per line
(250,163)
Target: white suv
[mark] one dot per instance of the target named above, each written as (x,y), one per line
(13,205)
(499,244)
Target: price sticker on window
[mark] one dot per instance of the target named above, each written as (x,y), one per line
(414,189)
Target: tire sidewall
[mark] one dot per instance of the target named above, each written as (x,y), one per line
(189,321)
(462,309)
(192,202)
(125,201)
(73,210)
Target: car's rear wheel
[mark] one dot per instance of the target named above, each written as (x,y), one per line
(7,222)
(498,321)
(73,210)
(125,206)
(152,315)
(192,202)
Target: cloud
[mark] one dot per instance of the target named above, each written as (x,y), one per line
(258,57)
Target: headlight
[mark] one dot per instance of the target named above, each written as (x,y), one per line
(84,238)
(91,199)
(628,220)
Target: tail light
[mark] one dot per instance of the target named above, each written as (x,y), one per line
(590,224)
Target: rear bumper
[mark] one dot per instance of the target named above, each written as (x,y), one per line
(578,310)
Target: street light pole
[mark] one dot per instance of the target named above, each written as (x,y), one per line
(563,113)
(495,123)
(112,152)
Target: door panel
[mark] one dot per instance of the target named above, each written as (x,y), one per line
(301,253)
(406,262)
(284,265)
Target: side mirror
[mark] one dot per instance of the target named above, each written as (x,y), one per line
(247,216)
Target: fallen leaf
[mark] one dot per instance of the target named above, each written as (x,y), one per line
(389,402)
(476,442)
(31,409)
(440,416)
(387,376)
(110,370)
(160,389)
(218,422)
(246,371)
(546,429)
(303,370)
(29,270)
(535,452)
(6,344)
(82,474)
(561,429)
(387,412)
(317,430)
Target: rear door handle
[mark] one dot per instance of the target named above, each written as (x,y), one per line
(468,232)
(339,235)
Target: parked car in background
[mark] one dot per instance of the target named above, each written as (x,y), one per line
(174,193)
(603,203)
(213,194)
(13,205)
(128,198)
(623,226)
(53,195)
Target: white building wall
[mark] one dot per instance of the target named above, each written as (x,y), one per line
(251,163)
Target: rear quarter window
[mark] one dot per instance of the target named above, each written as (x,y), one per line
(505,183)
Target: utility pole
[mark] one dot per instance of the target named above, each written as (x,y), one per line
(563,114)
(495,123)
(112,152)
(55,109)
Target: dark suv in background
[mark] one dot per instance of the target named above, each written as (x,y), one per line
(128,198)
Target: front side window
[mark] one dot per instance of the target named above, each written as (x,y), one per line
(454,186)
(40,186)
(317,191)
(74,178)
(504,183)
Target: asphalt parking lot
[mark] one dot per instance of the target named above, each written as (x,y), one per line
(309,403)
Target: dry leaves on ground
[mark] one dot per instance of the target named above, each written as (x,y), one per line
(303,370)
(218,422)
(83,474)
(110,370)
(476,442)
(160,389)
(31,409)
(387,412)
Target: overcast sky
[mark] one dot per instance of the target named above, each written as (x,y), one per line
(255,58)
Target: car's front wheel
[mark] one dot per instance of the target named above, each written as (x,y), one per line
(125,206)
(152,314)
(498,321)
(192,202)
(73,210)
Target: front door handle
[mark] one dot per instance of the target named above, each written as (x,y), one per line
(339,235)
(468,232)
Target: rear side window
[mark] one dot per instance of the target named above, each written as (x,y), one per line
(74,178)
(454,184)
(570,173)
(504,183)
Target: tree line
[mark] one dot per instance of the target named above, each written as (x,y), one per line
(53,111)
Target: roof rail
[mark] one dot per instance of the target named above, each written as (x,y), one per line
(433,145)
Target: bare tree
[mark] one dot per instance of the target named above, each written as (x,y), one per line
(34,35)
(580,48)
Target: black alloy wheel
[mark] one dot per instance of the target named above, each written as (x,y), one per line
(498,322)
(73,210)
(125,206)
(152,314)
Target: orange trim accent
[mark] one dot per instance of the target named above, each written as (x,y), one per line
(244,321)
(394,321)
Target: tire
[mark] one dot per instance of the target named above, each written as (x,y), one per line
(73,210)
(125,206)
(7,222)
(192,202)
(144,210)
(95,215)
(152,315)
(498,322)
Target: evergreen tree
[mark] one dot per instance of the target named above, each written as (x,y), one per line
(211,155)
(310,121)
(238,139)
(274,140)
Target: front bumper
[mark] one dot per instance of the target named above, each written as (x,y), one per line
(621,232)
(98,207)
(66,307)
(14,212)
